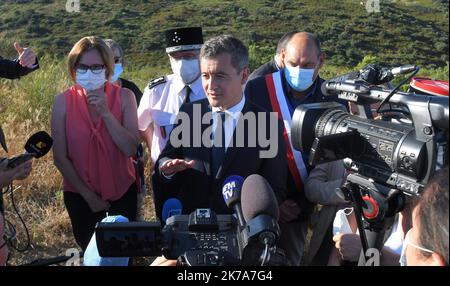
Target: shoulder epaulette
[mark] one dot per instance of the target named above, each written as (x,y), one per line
(157,81)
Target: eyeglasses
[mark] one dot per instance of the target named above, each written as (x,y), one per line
(96,69)
(407,241)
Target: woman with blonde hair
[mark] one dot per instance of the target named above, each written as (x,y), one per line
(95,132)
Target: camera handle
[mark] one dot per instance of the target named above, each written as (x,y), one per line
(372,229)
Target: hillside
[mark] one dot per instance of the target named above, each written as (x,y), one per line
(401,32)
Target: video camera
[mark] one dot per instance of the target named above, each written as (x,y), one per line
(204,238)
(387,158)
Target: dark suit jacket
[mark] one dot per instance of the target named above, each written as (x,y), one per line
(12,69)
(197,188)
(267,68)
(256,91)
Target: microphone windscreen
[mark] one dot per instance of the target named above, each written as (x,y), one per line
(258,198)
(231,190)
(171,207)
(39,143)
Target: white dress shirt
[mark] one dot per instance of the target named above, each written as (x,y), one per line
(160,105)
(231,119)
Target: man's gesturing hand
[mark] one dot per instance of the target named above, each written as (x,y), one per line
(176,165)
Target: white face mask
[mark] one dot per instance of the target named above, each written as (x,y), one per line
(340,223)
(188,70)
(90,81)
(403,256)
(407,242)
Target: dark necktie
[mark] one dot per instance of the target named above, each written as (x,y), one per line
(218,152)
(188,93)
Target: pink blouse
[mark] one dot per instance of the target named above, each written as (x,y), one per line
(96,158)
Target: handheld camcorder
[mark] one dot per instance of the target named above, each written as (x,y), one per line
(387,158)
(203,238)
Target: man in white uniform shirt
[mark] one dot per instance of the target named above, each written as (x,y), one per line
(164,96)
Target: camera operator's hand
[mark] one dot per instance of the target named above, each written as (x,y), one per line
(162,261)
(348,246)
(19,172)
(27,58)
(171,167)
(23,170)
(97,98)
(96,204)
(289,210)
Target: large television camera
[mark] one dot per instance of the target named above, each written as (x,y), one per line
(387,158)
(203,238)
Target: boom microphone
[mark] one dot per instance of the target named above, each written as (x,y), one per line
(257,198)
(260,210)
(231,192)
(36,146)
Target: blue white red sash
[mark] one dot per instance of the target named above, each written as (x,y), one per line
(280,105)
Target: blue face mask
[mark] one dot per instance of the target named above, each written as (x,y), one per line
(118,70)
(299,79)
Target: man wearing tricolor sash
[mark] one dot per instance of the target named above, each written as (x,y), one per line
(297,83)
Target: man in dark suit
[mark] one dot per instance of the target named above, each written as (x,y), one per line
(194,171)
(276,63)
(295,84)
(26,63)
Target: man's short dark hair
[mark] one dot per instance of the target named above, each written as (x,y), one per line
(226,44)
(286,38)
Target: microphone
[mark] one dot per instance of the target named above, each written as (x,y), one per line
(38,145)
(171,207)
(374,74)
(371,74)
(403,70)
(231,192)
(260,210)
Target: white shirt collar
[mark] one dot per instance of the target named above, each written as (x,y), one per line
(233,111)
(276,63)
(195,86)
